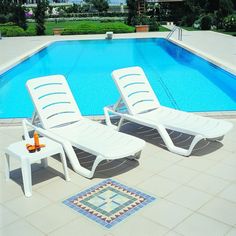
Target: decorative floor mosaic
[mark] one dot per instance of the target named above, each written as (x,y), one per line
(108,202)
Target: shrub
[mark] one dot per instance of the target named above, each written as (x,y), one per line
(31,31)
(109,19)
(140,20)
(145,20)
(8,24)
(206,22)
(188,20)
(98,28)
(197,23)
(11,31)
(153,24)
(230,23)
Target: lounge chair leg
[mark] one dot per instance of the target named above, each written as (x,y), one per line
(120,123)
(95,164)
(170,145)
(107,117)
(74,161)
(196,139)
(137,155)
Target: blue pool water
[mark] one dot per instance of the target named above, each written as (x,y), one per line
(179,78)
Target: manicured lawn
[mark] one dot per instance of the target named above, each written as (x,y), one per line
(79,24)
(224,32)
(61,24)
(189,28)
(163,29)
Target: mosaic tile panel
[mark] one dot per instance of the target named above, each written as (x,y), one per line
(108,202)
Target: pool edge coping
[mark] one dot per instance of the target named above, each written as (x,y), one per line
(214,60)
(9,65)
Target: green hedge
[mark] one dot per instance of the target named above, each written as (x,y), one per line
(10,31)
(98,28)
(83,27)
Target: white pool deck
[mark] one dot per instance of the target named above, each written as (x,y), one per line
(195,195)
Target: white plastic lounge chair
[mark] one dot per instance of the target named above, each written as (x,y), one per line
(61,120)
(144,108)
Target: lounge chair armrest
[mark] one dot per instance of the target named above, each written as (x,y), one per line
(26,123)
(111,110)
(42,132)
(123,116)
(108,110)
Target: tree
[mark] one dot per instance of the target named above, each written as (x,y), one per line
(100,5)
(72,9)
(226,8)
(13,11)
(192,9)
(40,15)
(132,10)
(196,9)
(5,7)
(19,16)
(211,6)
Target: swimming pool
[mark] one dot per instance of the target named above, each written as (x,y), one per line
(179,78)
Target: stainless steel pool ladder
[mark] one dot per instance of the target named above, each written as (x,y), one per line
(180,32)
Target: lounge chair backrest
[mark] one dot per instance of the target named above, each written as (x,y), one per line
(135,90)
(53,101)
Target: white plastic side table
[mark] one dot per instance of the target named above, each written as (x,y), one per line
(18,151)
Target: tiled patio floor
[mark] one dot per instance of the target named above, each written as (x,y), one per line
(194,196)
